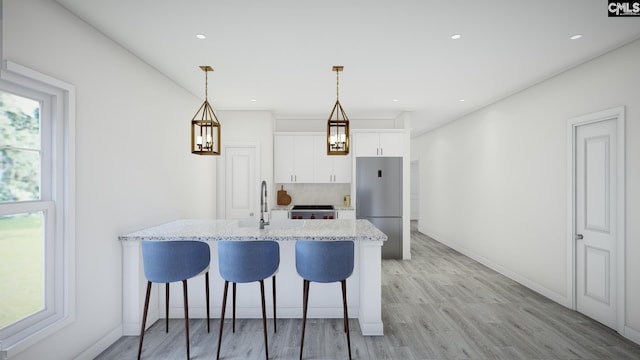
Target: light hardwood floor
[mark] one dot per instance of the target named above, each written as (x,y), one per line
(439,305)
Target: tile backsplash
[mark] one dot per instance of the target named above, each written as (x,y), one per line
(316,194)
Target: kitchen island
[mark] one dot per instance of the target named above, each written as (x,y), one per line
(325,300)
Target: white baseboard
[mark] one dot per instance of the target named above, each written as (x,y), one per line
(632,334)
(561,299)
(96,349)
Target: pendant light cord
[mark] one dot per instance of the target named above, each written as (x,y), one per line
(206,85)
(337,85)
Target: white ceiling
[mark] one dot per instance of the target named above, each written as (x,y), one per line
(280,52)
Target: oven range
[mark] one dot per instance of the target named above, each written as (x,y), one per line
(311,212)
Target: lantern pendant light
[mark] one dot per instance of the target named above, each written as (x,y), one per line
(205,127)
(338,124)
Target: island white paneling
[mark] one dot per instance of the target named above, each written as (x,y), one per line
(363,286)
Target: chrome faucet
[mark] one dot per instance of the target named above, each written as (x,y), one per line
(263,204)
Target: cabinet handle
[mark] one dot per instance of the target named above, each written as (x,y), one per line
(381,153)
(291,177)
(377,151)
(295,178)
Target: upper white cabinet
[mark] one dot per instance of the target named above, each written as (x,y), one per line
(379,144)
(342,165)
(283,159)
(303,159)
(293,158)
(329,168)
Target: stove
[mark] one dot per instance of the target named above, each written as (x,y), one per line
(313,207)
(312,212)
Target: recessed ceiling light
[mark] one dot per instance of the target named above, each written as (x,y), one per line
(253,100)
(456,36)
(576,36)
(461,100)
(201,36)
(395,100)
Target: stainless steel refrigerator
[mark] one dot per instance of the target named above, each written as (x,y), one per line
(379,199)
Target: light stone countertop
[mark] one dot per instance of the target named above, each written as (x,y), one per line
(335,207)
(213,230)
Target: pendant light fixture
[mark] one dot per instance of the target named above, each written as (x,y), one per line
(338,124)
(205,128)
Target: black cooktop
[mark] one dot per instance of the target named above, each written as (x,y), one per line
(312,207)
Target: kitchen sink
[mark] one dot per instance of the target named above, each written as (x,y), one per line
(284,224)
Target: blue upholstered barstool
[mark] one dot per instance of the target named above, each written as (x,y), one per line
(243,262)
(170,261)
(324,262)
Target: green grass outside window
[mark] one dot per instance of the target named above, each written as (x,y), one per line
(21,267)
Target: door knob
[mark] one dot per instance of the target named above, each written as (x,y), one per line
(579,237)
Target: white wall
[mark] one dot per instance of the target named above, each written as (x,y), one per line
(133,164)
(414,193)
(493,184)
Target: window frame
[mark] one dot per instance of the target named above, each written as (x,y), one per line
(57,202)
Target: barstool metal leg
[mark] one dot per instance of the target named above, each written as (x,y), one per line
(264,320)
(166,306)
(144,317)
(274,303)
(224,305)
(234,308)
(305,300)
(206,289)
(346,315)
(186,314)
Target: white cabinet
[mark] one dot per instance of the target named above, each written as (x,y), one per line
(329,168)
(342,165)
(347,214)
(303,159)
(392,144)
(293,158)
(379,144)
(283,159)
(366,144)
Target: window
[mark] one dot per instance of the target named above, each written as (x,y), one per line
(22,239)
(36,207)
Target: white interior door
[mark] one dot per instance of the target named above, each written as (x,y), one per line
(596,219)
(241,182)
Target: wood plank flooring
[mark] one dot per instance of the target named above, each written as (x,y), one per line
(439,305)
